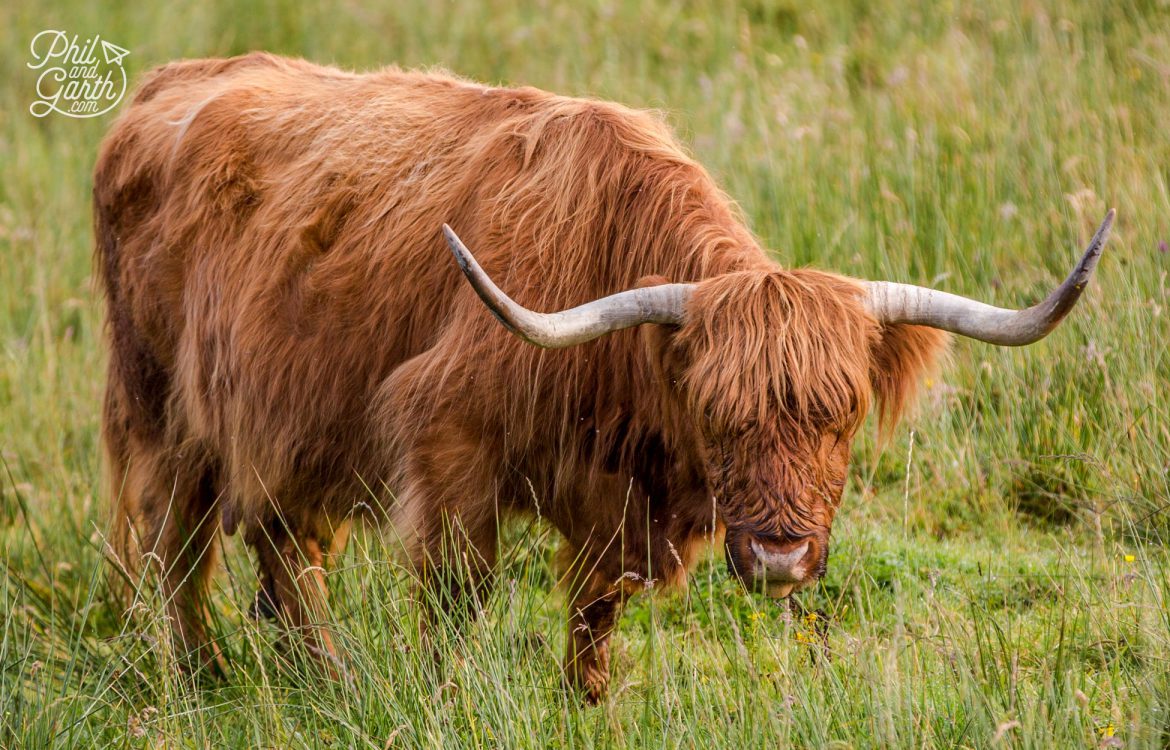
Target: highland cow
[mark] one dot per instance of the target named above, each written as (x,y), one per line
(289,341)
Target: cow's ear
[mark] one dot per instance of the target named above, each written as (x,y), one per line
(901,358)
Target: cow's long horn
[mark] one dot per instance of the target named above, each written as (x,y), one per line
(905,303)
(654,304)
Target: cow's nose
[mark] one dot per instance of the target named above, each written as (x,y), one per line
(783,565)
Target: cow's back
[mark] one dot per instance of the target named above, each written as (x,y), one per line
(268,235)
(264,181)
(265,258)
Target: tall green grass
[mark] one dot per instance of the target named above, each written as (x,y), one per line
(999,571)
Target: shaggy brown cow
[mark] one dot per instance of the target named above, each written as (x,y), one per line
(289,341)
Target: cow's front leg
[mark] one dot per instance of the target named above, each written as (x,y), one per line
(456,576)
(592,618)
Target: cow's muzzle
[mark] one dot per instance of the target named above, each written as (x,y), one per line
(777,568)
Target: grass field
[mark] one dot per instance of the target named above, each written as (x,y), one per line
(999,575)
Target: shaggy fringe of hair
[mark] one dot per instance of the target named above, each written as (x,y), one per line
(783,346)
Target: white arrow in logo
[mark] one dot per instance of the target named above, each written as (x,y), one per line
(113,53)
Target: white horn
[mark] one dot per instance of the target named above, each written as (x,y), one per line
(665,303)
(905,303)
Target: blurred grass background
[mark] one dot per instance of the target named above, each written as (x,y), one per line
(999,572)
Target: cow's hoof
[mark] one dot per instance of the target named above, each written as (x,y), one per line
(595,692)
(589,681)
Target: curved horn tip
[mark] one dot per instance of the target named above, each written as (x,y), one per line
(1092,253)
(1102,232)
(462,255)
(451,237)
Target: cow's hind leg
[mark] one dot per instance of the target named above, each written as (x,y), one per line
(264,606)
(293,590)
(179,528)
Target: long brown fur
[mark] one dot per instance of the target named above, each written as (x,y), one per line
(291,340)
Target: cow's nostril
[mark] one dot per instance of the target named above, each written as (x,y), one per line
(779,564)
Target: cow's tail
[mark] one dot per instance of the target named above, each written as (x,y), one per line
(121,547)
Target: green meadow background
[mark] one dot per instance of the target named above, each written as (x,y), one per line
(999,570)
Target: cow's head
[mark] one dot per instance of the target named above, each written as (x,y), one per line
(772,373)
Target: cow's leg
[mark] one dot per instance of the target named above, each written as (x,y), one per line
(593,614)
(292,571)
(265,604)
(164,521)
(179,528)
(448,505)
(457,570)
